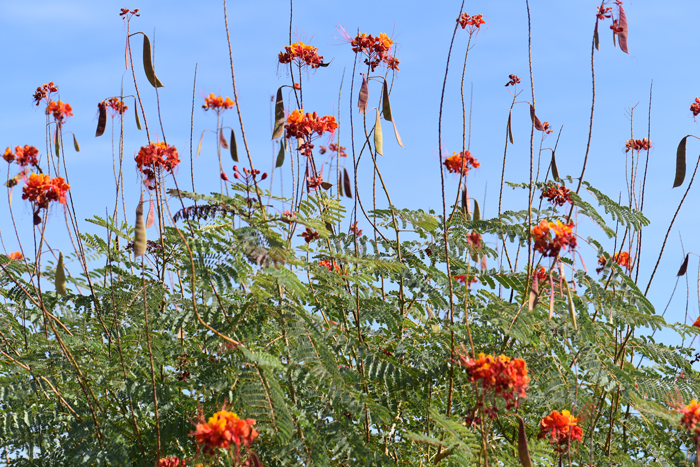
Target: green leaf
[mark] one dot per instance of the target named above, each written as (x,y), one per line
(280,155)
(680,162)
(148,63)
(279,115)
(234,147)
(378,137)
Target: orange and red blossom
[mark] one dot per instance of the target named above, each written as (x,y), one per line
(460,162)
(503,375)
(623,259)
(695,107)
(217,103)
(44,92)
(561,427)
(556,194)
(301,54)
(300,125)
(330,265)
(170,462)
(24,156)
(377,50)
(41,189)
(563,237)
(309,235)
(514,79)
(696,324)
(154,158)
(474,239)
(59,110)
(16,255)
(115,106)
(462,279)
(474,22)
(223,429)
(638,145)
(690,417)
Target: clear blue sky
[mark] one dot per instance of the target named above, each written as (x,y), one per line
(80,46)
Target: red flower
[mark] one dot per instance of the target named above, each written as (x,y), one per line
(462,279)
(561,427)
(301,126)
(691,417)
(546,128)
(8,156)
(27,155)
(16,255)
(504,376)
(41,189)
(638,145)
(330,265)
(44,92)
(563,237)
(217,103)
(376,49)
(154,158)
(695,107)
(474,22)
(558,195)
(59,110)
(170,462)
(623,259)
(696,324)
(474,239)
(460,161)
(222,429)
(309,235)
(301,54)
(355,230)
(116,106)
(514,79)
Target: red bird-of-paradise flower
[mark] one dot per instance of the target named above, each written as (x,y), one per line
(562,428)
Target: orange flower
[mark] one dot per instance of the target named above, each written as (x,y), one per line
(564,237)
(27,155)
(222,429)
(556,194)
(16,255)
(691,417)
(376,49)
(622,258)
(638,145)
(217,103)
(697,323)
(514,79)
(695,107)
(59,110)
(474,22)
(459,161)
(156,157)
(44,92)
(116,106)
(547,128)
(300,125)
(301,54)
(331,266)
(562,427)
(474,239)
(8,156)
(462,279)
(170,462)
(41,189)
(505,376)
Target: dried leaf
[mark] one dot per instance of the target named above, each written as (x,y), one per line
(347,188)
(280,156)
(279,115)
(199,146)
(555,170)
(596,37)
(523,451)
(139,231)
(538,124)
(624,29)
(510,128)
(136,115)
(101,119)
(148,63)
(75,144)
(326,185)
(222,139)
(234,147)
(60,278)
(386,105)
(684,267)
(477,211)
(534,294)
(378,137)
(680,162)
(151,214)
(364,95)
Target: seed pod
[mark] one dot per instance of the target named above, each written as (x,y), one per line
(139,231)
(102,118)
(60,279)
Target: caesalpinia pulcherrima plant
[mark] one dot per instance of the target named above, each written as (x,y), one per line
(314,326)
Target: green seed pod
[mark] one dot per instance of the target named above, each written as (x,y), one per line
(139,231)
(60,279)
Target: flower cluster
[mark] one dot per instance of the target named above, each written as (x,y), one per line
(638,145)
(59,110)
(691,417)
(247,175)
(505,376)
(547,128)
(154,158)
(462,279)
(224,428)
(460,162)
(474,22)
(623,259)
(330,265)
(695,107)
(309,235)
(540,274)
(333,147)
(44,92)
(514,79)
(126,11)
(355,229)
(474,239)
(16,255)
(41,189)
(377,50)
(24,156)
(561,427)
(558,195)
(304,126)
(301,54)
(115,106)
(170,462)
(563,237)
(217,103)
(603,12)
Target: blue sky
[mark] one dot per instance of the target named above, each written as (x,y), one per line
(80,46)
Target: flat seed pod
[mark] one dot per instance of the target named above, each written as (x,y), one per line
(572,307)
(75,144)
(326,186)
(378,137)
(538,123)
(684,266)
(523,451)
(624,29)
(465,202)
(148,63)
(340,184)
(510,128)
(280,156)
(222,140)
(139,231)
(101,119)
(199,146)
(347,188)
(136,115)
(555,170)
(234,147)
(279,116)
(57,143)
(596,37)
(534,294)
(60,278)
(386,105)
(150,219)
(364,95)
(680,162)
(477,211)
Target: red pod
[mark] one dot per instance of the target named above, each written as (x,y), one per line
(264,176)
(224,176)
